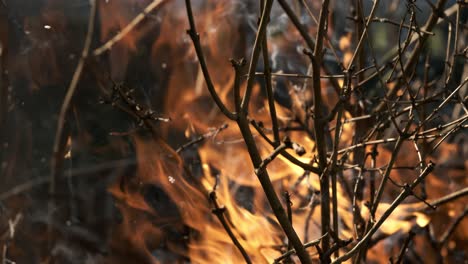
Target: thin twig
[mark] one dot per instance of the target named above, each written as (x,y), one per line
(243,124)
(391,22)
(57,155)
(261,34)
(292,251)
(414,56)
(404,247)
(316,61)
(70,92)
(304,76)
(137,20)
(284,153)
(269,190)
(201,138)
(269,90)
(444,238)
(361,40)
(407,191)
(295,20)
(450,197)
(403,136)
(219,212)
(287,199)
(192,32)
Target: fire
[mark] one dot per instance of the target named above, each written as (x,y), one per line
(224,161)
(194,204)
(158,165)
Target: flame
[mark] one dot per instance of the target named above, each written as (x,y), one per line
(345,46)
(165,214)
(403,218)
(68,152)
(223,161)
(158,165)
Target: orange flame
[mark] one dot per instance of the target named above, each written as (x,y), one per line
(225,157)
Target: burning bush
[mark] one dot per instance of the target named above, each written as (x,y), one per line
(233,131)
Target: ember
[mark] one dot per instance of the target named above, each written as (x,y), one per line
(210,131)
